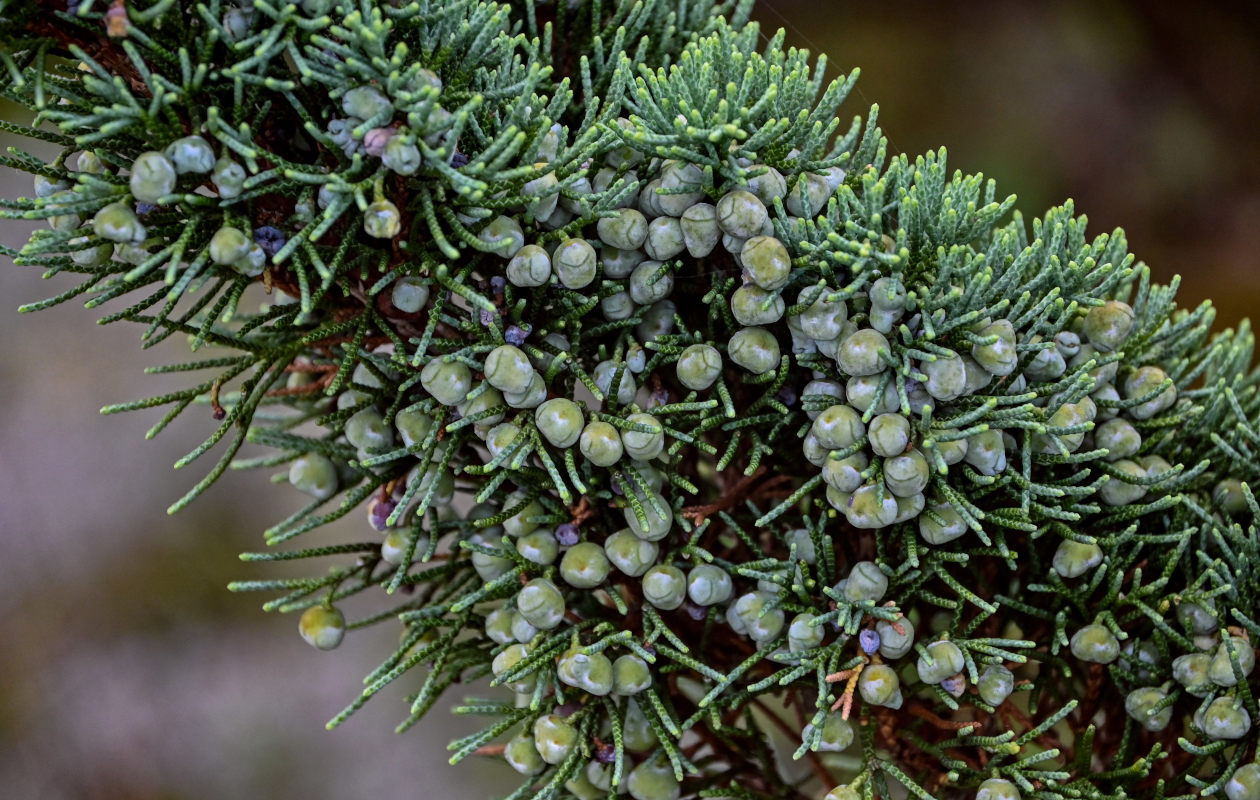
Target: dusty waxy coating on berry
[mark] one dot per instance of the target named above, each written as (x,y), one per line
(1094,642)
(323,627)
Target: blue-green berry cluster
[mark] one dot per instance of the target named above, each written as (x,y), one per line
(705,432)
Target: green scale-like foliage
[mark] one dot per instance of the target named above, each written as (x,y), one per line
(706,431)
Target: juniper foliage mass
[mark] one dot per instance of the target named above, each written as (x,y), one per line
(667,402)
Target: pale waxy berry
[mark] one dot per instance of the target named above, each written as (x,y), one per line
(153,177)
(1095,643)
(1244,784)
(382,220)
(322,627)
(191,154)
(997,789)
(946,660)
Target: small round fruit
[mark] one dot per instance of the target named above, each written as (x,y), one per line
(1118,437)
(752,305)
(754,349)
(709,584)
(315,475)
(760,624)
(889,435)
(1073,559)
(644,445)
(986,452)
(741,214)
(1140,703)
(699,366)
(191,154)
(401,155)
(649,284)
(1197,618)
(600,443)
(152,177)
(1221,670)
(653,780)
(394,547)
(665,587)
(626,230)
(366,430)
(229,178)
(895,639)
(946,377)
(864,509)
(947,660)
(838,427)
(541,604)
(449,383)
(638,733)
(837,734)
(880,686)
(631,675)
(498,625)
(521,754)
(531,266)
(1118,492)
(538,546)
(824,319)
(866,582)
(630,554)
(575,263)
(116,222)
(560,421)
(1146,381)
(700,229)
(554,738)
(804,636)
(766,262)
(1225,718)
(997,789)
(808,195)
(365,102)
(996,684)
(1191,671)
(1108,325)
(382,220)
(1244,784)
(1094,642)
(665,237)
(845,791)
(91,256)
(657,525)
(584,566)
(604,373)
(409,294)
(323,627)
(592,673)
(507,369)
(228,245)
(999,357)
(502,236)
(944,524)
(863,352)
(907,475)
(844,474)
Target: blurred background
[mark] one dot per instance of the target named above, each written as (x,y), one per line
(130,672)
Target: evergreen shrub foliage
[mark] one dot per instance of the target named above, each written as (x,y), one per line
(711,433)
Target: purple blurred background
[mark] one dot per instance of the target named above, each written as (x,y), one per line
(129,670)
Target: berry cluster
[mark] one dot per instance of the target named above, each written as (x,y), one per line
(706,432)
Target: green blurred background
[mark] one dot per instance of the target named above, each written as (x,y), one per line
(129,672)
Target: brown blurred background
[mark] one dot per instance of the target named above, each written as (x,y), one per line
(129,672)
